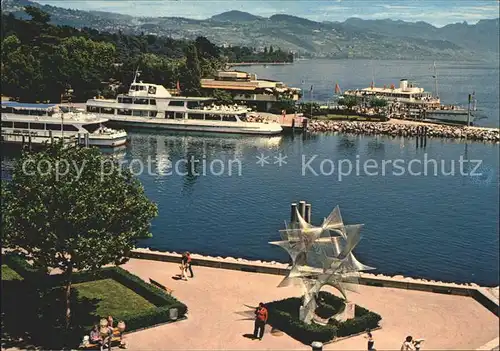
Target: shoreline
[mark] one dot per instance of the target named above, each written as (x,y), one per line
(274,267)
(406,128)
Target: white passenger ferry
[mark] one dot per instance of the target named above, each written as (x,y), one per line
(152,106)
(407,93)
(46,122)
(420,104)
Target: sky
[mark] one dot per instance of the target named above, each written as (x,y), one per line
(436,12)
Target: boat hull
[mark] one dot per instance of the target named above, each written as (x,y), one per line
(254,128)
(15,137)
(449,116)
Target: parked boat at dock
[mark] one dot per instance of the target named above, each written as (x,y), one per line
(46,122)
(414,102)
(151,106)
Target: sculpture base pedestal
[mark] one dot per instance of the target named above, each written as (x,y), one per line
(348,313)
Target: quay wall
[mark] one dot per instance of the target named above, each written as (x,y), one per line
(487,297)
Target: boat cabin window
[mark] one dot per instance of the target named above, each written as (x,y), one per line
(6,124)
(21,125)
(153,113)
(194,105)
(179,115)
(125,100)
(195,116)
(229,118)
(69,128)
(152,90)
(176,103)
(212,117)
(141,101)
(140,113)
(53,127)
(91,128)
(136,87)
(169,114)
(92,109)
(152,102)
(39,126)
(108,110)
(125,112)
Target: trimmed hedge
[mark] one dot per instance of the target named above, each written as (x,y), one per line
(284,315)
(163,301)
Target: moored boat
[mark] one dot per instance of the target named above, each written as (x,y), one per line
(151,106)
(45,122)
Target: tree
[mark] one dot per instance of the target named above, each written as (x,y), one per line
(206,49)
(377,102)
(350,101)
(191,77)
(72,209)
(222,97)
(37,15)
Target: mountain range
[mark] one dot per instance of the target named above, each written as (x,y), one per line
(352,38)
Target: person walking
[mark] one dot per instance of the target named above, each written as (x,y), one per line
(183,266)
(260,321)
(371,341)
(188,255)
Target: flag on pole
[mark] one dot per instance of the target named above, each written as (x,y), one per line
(311,88)
(178,87)
(371,85)
(337,89)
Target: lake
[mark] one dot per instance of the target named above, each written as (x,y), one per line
(437,226)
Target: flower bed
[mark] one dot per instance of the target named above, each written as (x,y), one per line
(284,315)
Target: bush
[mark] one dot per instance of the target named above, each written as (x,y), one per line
(284,315)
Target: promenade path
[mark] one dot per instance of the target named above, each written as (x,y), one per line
(215,295)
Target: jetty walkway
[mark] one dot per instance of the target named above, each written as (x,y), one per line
(215,296)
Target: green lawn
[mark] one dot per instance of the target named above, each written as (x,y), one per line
(9,274)
(114,298)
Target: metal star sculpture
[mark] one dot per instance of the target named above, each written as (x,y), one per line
(321,256)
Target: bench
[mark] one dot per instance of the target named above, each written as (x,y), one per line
(115,340)
(161,286)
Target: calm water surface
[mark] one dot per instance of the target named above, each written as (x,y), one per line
(440,227)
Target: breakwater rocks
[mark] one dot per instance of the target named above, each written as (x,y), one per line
(406,129)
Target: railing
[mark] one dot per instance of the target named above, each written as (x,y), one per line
(29,138)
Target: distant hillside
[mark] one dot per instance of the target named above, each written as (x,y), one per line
(235,16)
(353,38)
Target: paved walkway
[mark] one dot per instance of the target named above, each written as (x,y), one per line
(215,295)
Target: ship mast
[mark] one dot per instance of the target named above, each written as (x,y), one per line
(137,74)
(435,80)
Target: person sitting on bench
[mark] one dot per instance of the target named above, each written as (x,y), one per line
(95,335)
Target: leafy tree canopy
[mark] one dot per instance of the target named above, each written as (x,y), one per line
(37,15)
(69,208)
